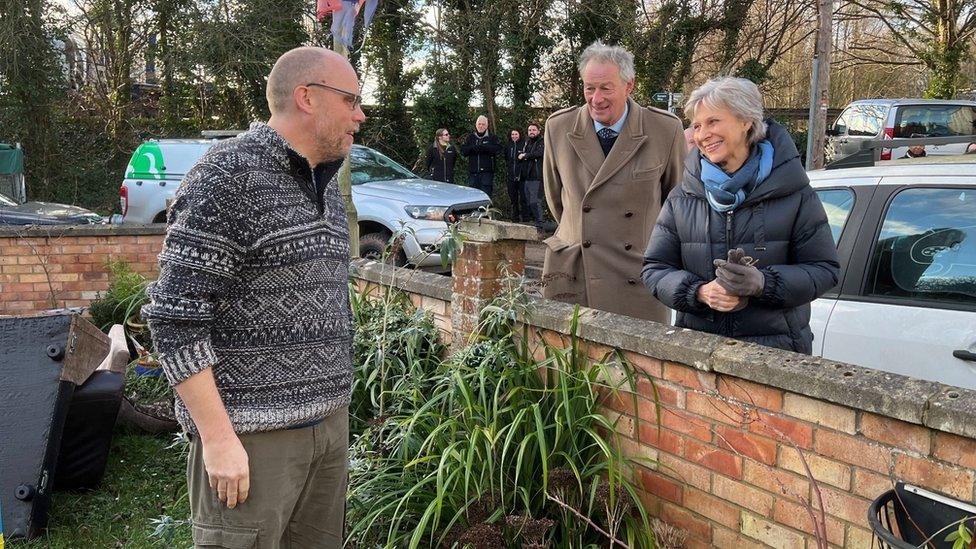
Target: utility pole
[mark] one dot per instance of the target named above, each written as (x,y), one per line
(820,88)
(345,179)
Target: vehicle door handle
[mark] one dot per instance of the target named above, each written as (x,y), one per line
(964,355)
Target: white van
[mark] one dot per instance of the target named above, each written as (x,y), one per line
(155,171)
(869,119)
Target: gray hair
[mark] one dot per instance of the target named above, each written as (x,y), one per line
(739,96)
(602,53)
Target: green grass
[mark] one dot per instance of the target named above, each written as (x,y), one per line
(144,481)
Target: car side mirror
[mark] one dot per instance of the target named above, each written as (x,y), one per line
(836,130)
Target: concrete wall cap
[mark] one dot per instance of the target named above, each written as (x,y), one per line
(490,230)
(410,280)
(57,231)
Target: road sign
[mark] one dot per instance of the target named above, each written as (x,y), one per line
(660,97)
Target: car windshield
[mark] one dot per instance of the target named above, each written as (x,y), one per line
(935,121)
(368,165)
(6,201)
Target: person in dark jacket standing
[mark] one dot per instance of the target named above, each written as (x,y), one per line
(516,194)
(742,247)
(531,168)
(480,149)
(441,156)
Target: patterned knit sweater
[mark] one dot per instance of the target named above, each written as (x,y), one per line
(253,283)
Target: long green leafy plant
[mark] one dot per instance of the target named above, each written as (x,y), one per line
(490,447)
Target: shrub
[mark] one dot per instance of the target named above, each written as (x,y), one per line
(488,444)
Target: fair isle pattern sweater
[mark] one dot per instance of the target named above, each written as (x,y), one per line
(253,283)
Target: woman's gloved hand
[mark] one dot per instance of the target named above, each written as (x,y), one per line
(738,275)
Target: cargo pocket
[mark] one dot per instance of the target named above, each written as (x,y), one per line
(224,537)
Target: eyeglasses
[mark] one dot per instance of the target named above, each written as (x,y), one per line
(357,100)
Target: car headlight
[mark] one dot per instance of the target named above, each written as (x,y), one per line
(432,213)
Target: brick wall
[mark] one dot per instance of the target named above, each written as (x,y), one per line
(739,424)
(750,439)
(50,267)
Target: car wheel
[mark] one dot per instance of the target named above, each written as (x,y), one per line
(373,245)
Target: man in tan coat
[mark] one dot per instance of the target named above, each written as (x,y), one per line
(607,168)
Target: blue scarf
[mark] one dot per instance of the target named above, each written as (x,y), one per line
(726,193)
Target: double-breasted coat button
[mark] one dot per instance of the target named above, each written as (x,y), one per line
(628,246)
(631,281)
(629,214)
(586,209)
(586,243)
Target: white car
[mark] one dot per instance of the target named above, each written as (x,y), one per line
(389,198)
(906,237)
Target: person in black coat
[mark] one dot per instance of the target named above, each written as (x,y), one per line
(480,148)
(516,195)
(531,172)
(744,191)
(441,156)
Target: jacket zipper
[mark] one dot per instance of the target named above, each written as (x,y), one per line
(727,320)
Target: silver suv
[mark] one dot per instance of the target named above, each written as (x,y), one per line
(868,119)
(389,198)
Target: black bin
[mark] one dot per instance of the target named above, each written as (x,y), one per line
(908,517)
(87,436)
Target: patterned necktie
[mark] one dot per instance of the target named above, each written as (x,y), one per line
(607,138)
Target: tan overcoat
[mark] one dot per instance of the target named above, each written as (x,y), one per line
(606,207)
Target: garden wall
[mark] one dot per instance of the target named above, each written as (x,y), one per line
(739,424)
(66,266)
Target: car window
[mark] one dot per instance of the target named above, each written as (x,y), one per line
(843,121)
(935,121)
(368,165)
(927,247)
(867,120)
(837,203)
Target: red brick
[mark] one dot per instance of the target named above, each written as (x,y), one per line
(687,424)
(28,260)
(775,480)
(681,518)
(823,470)
(749,445)
(770,533)
(661,486)
(94,276)
(852,450)
(743,494)
(712,507)
(720,461)
(859,538)
(871,485)
(785,429)
(844,506)
(798,517)
(724,538)
(955,449)
(819,412)
(649,365)
(896,433)
(754,394)
(663,439)
(688,473)
(76,249)
(666,393)
(717,409)
(955,482)
(689,377)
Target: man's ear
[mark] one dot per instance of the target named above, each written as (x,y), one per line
(630,86)
(302,98)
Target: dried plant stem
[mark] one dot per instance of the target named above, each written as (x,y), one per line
(613,541)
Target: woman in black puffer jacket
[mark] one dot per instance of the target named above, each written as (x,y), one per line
(745,191)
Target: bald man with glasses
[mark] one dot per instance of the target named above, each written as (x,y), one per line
(251,316)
